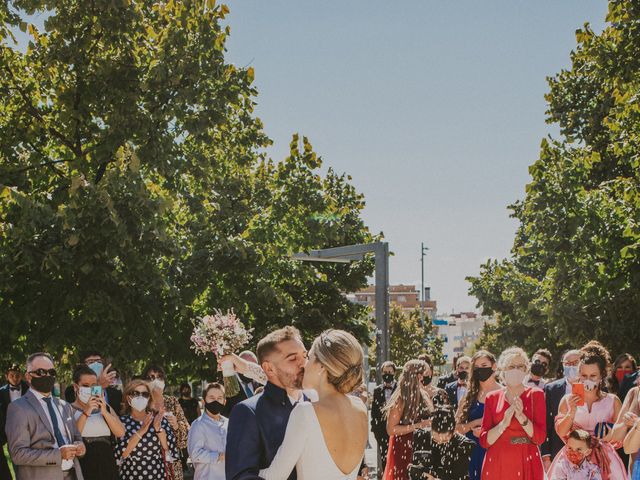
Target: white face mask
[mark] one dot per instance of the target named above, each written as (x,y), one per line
(514,377)
(139,403)
(590,385)
(157,383)
(84,394)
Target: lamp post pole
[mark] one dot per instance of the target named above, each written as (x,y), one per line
(422,254)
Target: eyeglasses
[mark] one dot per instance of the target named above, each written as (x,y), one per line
(136,393)
(43,372)
(153,377)
(522,368)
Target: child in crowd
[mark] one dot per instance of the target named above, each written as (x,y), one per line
(574,463)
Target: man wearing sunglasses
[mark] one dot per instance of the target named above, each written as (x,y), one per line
(42,435)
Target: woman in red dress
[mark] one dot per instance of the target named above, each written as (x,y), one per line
(409,409)
(514,423)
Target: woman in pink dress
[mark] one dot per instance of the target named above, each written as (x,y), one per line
(597,414)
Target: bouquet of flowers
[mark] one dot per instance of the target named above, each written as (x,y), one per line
(221,334)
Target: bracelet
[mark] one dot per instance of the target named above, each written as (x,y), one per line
(526,422)
(138,435)
(85,414)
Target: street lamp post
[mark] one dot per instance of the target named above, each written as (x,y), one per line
(422,254)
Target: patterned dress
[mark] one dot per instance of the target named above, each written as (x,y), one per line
(146,461)
(172,405)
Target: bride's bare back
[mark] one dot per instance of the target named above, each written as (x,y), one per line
(344,424)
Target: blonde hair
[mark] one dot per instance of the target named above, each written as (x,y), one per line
(508,354)
(341,355)
(409,395)
(131,386)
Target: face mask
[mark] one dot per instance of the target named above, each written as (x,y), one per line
(214,407)
(84,394)
(483,373)
(186,393)
(570,372)
(139,403)
(157,383)
(620,375)
(538,369)
(462,375)
(590,385)
(426,380)
(96,367)
(574,457)
(43,384)
(387,377)
(514,377)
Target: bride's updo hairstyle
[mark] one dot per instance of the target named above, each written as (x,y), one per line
(341,356)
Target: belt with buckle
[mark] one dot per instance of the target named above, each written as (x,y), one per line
(519,440)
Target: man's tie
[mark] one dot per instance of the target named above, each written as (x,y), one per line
(54,421)
(13,389)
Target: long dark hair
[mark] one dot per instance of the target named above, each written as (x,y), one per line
(474,385)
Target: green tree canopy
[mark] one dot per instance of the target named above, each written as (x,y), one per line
(135,193)
(574,273)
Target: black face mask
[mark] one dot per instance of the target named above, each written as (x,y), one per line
(462,375)
(43,384)
(426,380)
(244,379)
(483,373)
(214,407)
(387,377)
(538,369)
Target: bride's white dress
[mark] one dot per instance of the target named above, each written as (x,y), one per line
(304,448)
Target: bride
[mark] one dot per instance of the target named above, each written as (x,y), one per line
(325,440)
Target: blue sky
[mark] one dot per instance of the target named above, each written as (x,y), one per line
(436,109)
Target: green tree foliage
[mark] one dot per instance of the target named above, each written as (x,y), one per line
(574,273)
(409,339)
(135,193)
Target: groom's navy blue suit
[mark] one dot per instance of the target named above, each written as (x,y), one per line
(256,431)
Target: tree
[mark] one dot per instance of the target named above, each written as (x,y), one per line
(574,273)
(408,339)
(135,193)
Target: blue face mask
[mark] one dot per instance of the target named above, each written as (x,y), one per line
(571,372)
(96,367)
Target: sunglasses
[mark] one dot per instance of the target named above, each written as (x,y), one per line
(136,393)
(43,372)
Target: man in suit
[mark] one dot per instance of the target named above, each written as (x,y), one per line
(42,434)
(247,386)
(106,377)
(257,425)
(452,377)
(381,395)
(15,388)
(457,389)
(554,392)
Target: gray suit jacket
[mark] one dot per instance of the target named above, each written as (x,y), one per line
(31,440)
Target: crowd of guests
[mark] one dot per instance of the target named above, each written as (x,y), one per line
(509,417)
(303,414)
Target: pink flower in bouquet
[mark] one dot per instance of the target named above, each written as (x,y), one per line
(220,334)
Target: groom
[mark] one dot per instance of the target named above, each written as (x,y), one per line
(257,425)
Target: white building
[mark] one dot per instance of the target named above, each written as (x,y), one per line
(460,331)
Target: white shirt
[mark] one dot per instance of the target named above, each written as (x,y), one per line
(66,464)
(15,394)
(95,425)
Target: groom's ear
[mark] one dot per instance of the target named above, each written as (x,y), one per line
(267,367)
